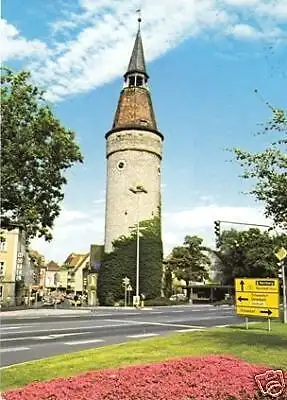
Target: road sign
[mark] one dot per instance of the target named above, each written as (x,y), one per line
(265,285)
(257,297)
(126,281)
(257,312)
(281,253)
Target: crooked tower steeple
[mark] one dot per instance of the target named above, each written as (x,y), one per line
(137,61)
(134,109)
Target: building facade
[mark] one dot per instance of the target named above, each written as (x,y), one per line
(134,154)
(16,273)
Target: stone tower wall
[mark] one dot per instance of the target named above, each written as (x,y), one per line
(140,152)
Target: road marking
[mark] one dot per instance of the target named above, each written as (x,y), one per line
(14,349)
(84,342)
(101,315)
(123,323)
(142,335)
(156,312)
(159,324)
(12,327)
(44,337)
(178,311)
(190,330)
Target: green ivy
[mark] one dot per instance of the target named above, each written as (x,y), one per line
(122,262)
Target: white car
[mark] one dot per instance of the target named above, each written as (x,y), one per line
(178,297)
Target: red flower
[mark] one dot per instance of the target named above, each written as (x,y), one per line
(204,378)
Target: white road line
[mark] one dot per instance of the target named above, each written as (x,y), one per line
(101,315)
(44,337)
(123,323)
(156,312)
(84,342)
(189,330)
(159,324)
(14,349)
(177,311)
(142,335)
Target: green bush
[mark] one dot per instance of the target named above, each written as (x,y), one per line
(121,262)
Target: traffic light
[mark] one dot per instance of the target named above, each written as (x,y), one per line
(217,233)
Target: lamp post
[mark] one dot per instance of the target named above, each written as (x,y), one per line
(138,190)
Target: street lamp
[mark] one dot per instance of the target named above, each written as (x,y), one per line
(139,189)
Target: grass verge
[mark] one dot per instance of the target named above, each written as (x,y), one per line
(255,345)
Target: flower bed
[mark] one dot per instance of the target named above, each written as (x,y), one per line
(204,378)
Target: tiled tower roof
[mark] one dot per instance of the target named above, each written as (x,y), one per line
(135,109)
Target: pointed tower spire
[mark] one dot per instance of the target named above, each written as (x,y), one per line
(134,109)
(137,60)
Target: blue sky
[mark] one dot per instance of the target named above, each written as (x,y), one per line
(204,58)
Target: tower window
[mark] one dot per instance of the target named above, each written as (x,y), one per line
(158,170)
(139,81)
(121,165)
(131,81)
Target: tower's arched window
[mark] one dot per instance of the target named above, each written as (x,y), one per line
(132,81)
(139,80)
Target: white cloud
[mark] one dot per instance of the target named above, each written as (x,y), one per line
(245,31)
(99,201)
(200,221)
(14,46)
(96,33)
(76,230)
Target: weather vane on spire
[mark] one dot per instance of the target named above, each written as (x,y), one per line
(138,11)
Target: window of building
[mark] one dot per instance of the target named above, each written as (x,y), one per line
(1,292)
(158,170)
(139,81)
(3,243)
(2,268)
(121,164)
(132,81)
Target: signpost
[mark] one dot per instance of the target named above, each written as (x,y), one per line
(257,297)
(126,283)
(281,255)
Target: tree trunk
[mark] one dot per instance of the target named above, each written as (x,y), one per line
(188,292)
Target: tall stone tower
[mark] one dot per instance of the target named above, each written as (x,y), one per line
(134,153)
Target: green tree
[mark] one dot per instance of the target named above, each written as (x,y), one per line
(249,254)
(190,262)
(121,262)
(36,152)
(269,170)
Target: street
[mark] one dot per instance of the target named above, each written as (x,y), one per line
(33,337)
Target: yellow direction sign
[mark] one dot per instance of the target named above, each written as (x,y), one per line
(265,285)
(257,297)
(281,253)
(257,312)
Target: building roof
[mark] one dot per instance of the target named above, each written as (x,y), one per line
(52,266)
(137,60)
(74,260)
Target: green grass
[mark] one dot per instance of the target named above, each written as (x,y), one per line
(255,345)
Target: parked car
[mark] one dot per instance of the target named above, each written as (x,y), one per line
(178,297)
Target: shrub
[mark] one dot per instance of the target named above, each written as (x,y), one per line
(122,262)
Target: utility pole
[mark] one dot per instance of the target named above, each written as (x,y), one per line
(138,190)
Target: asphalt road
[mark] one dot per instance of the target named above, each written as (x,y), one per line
(29,338)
